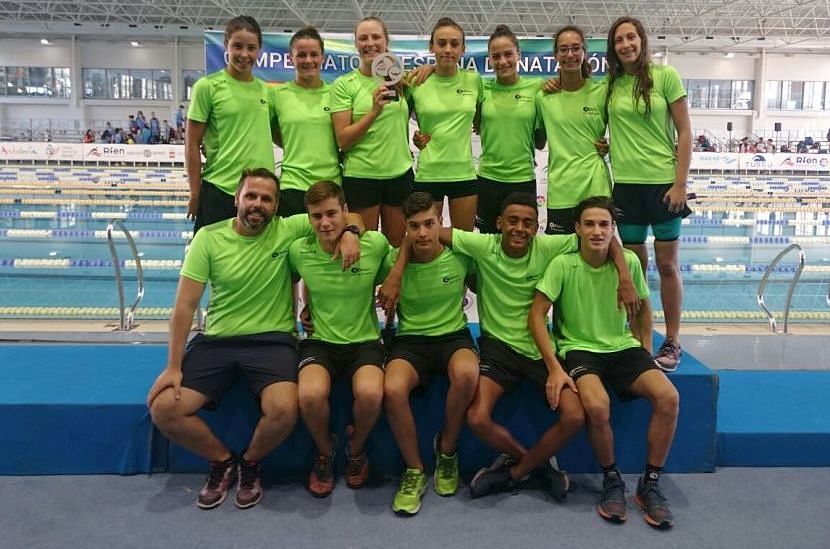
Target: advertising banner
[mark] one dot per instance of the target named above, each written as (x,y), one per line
(274,65)
(785,162)
(94,152)
(41,151)
(714,161)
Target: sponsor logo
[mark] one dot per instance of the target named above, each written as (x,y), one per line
(17,149)
(449,279)
(327,109)
(591,111)
(578,370)
(50,150)
(759,158)
(360,271)
(94,152)
(147,153)
(278,253)
(805,162)
(461,91)
(263,102)
(523,98)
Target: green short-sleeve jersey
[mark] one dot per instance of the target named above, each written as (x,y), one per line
(342,302)
(248,276)
(432,295)
(238,133)
(309,147)
(506,285)
(445,107)
(586,316)
(573,122)
(508,120)
(383,151)
(642,147)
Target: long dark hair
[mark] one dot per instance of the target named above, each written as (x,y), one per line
(585,69)
(643,82)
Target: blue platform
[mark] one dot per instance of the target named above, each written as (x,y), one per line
(774,418)
(78,409)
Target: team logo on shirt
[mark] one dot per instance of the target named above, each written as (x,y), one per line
(263,101)
(360,271)
(532,277)
(521,98)
(591,111)
(449,279)
(326,109)
(462,91)
(278,254)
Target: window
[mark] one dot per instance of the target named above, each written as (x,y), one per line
(141,85)
(95,83)
(63,83)
(720,94)
(813,96)
(698,93)
(163,85)
(792,95)
(190,78)
(40,82)
(18,79)
(2,80)
(773,95)
(742,94)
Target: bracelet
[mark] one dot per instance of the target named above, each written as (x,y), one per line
(354,229)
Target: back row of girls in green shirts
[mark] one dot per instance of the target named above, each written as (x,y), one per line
(354,133)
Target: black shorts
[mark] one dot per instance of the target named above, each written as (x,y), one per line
(365,193)
(490,196)
(341,358)
(430,355)
(292,202)
(507,367)
(214,205)
(211,365)
(617,370)
(642,204)
(561,221)
(454,189)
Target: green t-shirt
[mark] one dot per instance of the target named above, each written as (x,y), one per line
(309,146)
(249,278)
(342,302)
(383,151)
(445,107)
(238,134)
(573,122)
(432,295)
(508,119)
(586,316)
(506,285)
(642,148)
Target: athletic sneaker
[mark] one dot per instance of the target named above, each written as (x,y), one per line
(556,480)
(321,478)
(445,480)
(413,486)
(653,502)
(357,469)
(489,480)
(668,357)
(249,488)
(612,502)
(218,482)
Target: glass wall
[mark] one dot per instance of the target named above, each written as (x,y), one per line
(148,84)
(719,94)
(35,82)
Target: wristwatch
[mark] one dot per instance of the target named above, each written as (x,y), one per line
(354,229)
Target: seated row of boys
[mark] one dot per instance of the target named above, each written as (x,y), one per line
(602,332)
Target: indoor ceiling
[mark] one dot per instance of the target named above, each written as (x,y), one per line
(684,25)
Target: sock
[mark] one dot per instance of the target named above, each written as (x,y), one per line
(652,473)
(609,470)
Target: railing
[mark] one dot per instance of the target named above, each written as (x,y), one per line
(763,286)
(127,315)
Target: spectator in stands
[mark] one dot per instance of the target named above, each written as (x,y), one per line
(166,132)
(107,134)
(155,129)
(743,145)
(132,125)
(180,123)
(120,136)
(89,137)
(785,148)
(761,146)
(770,146)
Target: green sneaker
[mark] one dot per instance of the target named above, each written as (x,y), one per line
(408,499)
(446,470)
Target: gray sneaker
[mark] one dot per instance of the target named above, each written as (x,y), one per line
(653,502)
(218,482)
(489,480)
(249,488)
(612,502)
(555,480)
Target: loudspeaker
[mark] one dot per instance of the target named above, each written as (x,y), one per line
(729,126)
(778,126)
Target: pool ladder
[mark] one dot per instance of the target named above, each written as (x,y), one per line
(127,315)
(802,259)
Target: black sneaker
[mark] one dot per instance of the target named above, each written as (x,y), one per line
(249,488)
(653,502)
(556,481)
(489,480)
(218,482)
(612,502)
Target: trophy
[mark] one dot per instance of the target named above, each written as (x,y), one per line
(389,69)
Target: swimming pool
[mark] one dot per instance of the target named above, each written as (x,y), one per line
(55,262)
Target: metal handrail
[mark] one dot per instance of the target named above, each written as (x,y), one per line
(127,316)
(802,259)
